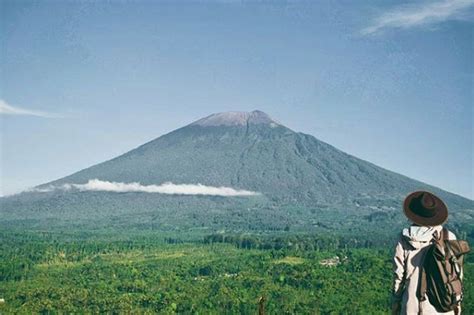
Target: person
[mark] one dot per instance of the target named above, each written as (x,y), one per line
(427,212)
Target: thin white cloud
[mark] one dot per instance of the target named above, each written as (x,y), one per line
(424,14)
(45,189)
(7,109)
(166,188)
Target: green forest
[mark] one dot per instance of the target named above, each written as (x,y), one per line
(192,273)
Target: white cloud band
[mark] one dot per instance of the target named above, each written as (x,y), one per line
(7,109)
(427,13)
(166,188)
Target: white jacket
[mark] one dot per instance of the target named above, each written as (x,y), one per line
(409,252)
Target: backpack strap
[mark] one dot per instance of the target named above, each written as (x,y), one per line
(422,286)
(445,234)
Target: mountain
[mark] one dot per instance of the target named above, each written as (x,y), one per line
(294,181)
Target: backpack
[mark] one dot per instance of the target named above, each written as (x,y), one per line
(440,274)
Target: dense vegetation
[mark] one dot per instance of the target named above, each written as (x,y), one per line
(149,272)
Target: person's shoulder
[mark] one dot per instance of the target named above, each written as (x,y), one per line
(451,235)
(402,236)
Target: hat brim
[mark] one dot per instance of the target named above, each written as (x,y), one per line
(439,218)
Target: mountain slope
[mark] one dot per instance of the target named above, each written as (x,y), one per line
(303,182)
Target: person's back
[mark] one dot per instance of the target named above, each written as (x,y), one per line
(427,212)
(409,252)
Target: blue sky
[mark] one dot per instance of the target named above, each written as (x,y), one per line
(390,82)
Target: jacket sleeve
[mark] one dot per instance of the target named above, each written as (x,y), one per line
(399,273)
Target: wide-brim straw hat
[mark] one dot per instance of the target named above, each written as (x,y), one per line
(425,208)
